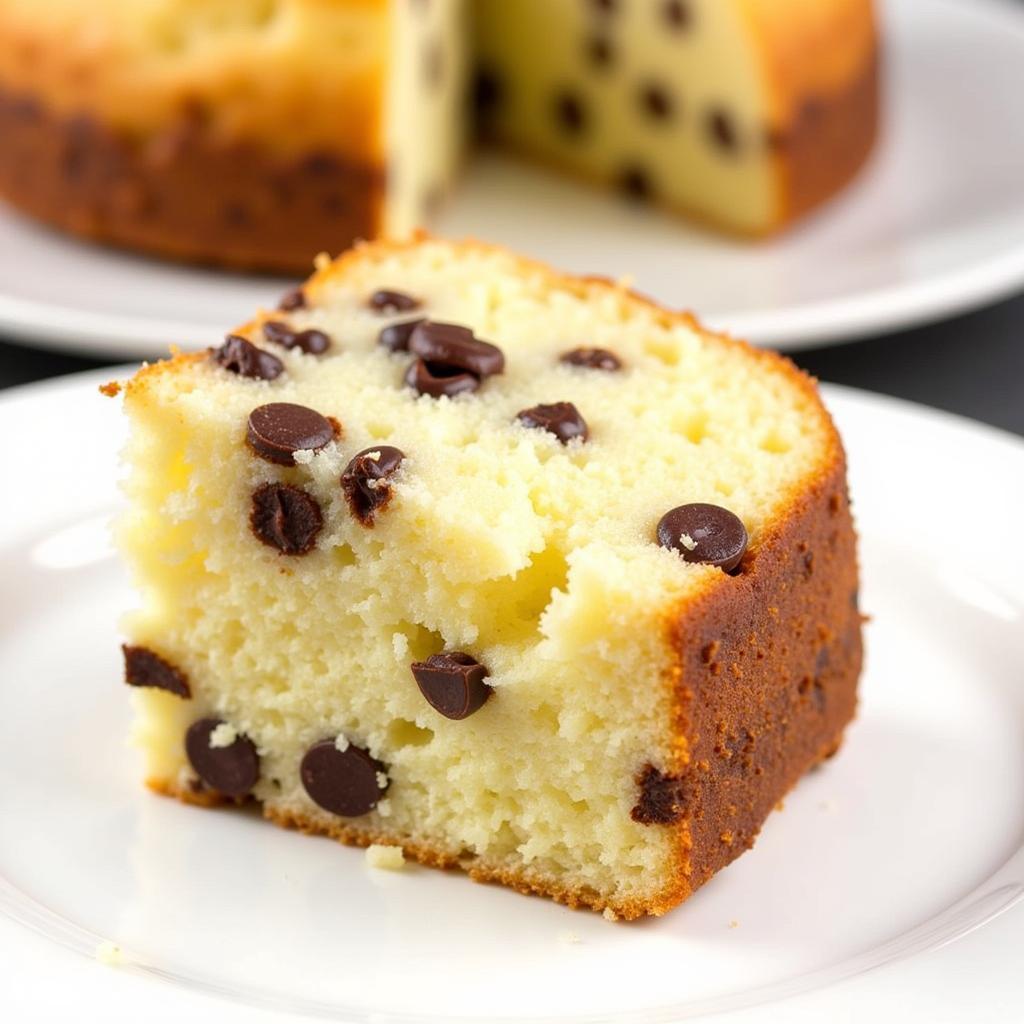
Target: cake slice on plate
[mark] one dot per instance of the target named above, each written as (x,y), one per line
(515,570)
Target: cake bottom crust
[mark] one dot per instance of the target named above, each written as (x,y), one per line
(181,192)
(675,888)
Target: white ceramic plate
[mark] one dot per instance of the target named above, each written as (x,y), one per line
(909,839)
(933,226)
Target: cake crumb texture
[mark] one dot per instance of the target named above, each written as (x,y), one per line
(606,711)
(386,858)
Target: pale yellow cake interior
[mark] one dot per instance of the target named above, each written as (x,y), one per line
(539,51)
(536,558)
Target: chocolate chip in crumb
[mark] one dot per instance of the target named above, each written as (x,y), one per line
(562,419)
(438,379)
(280,429)
(635,183)
(452,683)
(343,780)
(232,769)
(592,359)
(365,480)
(708,534)
(395,337)
(285,517)
(570,114)
(600,51)
(662,798)
(722,130)
(143,667)
(386,300)
(242,357)
(311,341)
(294,299)
(455,346)
(279,333)
(677,14)
(486,96)
(657,102)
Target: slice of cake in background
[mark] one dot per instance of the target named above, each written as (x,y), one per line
(252,133)
(745,113)
(514,570)
(256,133)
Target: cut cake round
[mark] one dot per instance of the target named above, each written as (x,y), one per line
(577,628)
(253,133)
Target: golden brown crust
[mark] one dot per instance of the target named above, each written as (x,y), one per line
(183,192)
(273,74)
(821,68)
(765,664)
(768,666)
(827,143)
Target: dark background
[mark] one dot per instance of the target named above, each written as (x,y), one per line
(972,364)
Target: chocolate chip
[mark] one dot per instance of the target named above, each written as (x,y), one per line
(604,6)
(562,419)
(280,429)
(592,359)
(657,102)
(662,798)
(437,379)
(487,94)
(388,301)
(285,517)
(453,683)
(345,782)
(365,480)
(244,358)
(677,13)
(570,113)
(635,183)
(600,52)
(722,130)
(232,769)
(708,534)
(455,346)
(143,667)
(294,299)
(311,341)
(395,337)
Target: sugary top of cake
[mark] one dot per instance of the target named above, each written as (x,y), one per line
(488,509)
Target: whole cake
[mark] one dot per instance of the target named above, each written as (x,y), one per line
(517,571)
(255,133)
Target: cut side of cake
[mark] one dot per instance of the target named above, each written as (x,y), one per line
(255,134)
(744,113)
(514,570)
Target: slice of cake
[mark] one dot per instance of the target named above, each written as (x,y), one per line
(745,113)
(256,133)
(516,571)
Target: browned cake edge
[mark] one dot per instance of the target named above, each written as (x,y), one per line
(829,142)
(765,670)
(183,193)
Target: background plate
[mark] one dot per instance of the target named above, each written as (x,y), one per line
(934,225)
(910,838)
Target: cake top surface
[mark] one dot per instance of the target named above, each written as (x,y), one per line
(606,413)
